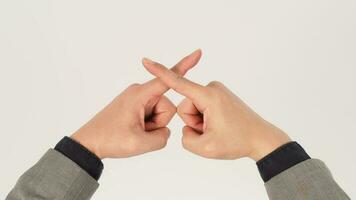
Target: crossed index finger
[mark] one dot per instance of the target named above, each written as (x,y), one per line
(175,81)
(156,87)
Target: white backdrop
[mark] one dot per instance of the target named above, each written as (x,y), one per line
(292,61)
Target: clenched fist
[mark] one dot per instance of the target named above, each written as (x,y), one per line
(218,123)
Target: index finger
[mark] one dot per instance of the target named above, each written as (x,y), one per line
(175,81)
(157,87)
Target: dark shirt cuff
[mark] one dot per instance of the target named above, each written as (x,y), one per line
(281,159)
(81,156)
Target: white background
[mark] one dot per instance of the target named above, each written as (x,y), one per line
(292,61)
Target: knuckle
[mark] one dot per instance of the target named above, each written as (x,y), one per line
(215,84)
(216,94)
(213,94)
(210,92)
(134,85)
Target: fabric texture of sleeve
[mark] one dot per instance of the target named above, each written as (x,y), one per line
(56,177)
(308,180)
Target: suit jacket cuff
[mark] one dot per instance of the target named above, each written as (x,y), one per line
(281,159)
(87,160)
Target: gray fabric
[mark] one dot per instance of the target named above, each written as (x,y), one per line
(57,177)
(308,180)
(54,176)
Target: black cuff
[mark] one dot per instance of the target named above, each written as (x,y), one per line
(81,155)
(281,159)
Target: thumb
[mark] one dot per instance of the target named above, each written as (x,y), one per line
(156,139)
(191,139)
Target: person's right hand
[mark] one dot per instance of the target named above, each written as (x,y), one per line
(218,123)
(135,122)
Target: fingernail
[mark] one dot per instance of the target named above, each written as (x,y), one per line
(148,61)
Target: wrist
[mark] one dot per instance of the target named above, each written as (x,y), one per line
(267,143)
(86,141)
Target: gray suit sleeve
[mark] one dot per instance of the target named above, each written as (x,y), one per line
(308,180)
(54,176)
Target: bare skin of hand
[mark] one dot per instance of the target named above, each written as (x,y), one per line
(135,121)
(219,124)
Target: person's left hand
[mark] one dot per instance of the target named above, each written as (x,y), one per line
(219,124)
